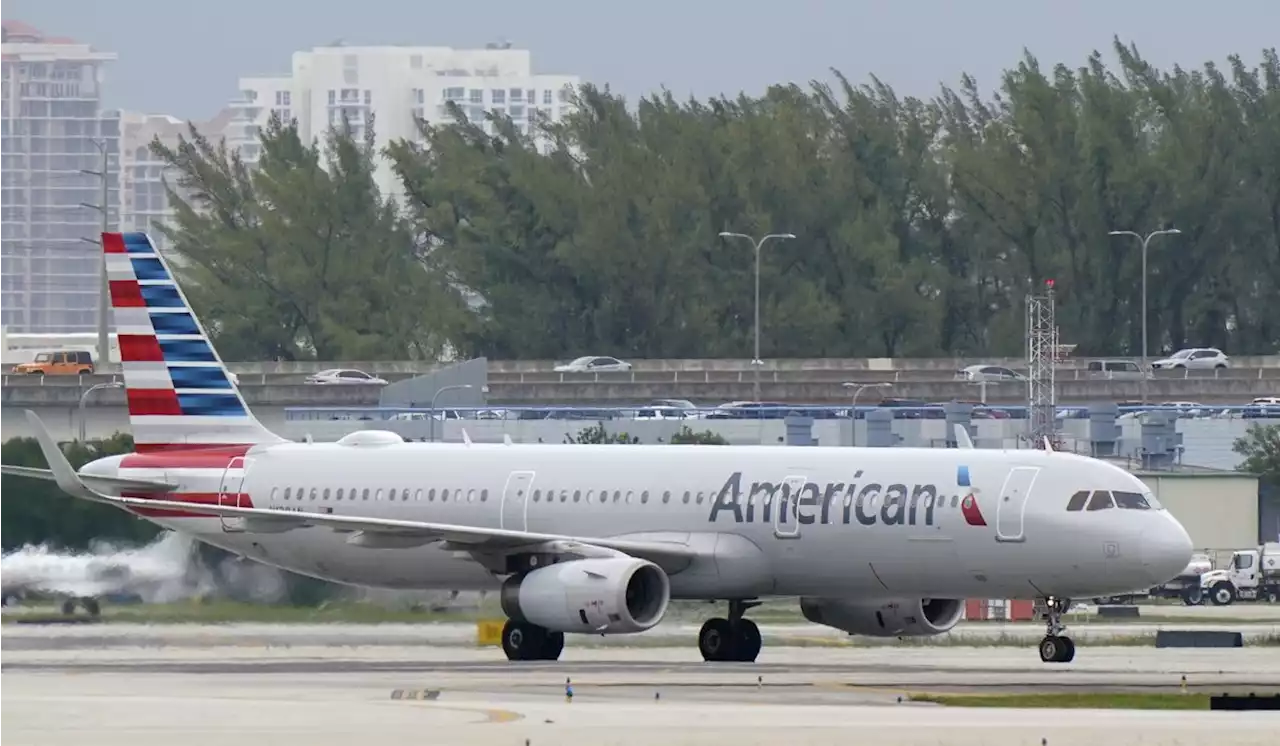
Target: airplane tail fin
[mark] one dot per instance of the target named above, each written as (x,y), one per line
(179,392)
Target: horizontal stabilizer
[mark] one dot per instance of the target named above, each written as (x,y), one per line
(110,484)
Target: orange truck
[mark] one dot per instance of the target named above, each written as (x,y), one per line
(60,363)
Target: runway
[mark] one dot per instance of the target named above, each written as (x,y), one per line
(334,694)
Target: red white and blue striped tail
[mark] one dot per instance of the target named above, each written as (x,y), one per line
(179,392)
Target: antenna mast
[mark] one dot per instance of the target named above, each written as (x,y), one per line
(1042,353)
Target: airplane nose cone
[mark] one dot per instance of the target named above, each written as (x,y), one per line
(1166,551)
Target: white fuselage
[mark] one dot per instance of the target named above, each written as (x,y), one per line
(868,522)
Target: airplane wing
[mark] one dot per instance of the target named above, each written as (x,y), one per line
(107,483)
(380,532)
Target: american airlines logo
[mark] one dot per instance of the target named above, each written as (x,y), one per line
(832,502)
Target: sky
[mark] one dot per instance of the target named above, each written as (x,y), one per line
(188,65)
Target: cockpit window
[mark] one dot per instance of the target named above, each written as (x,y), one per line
(1101,500)
(1131,501)
(1077,501)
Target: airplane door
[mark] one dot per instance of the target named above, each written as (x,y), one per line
(786,514)
(515,501)
(229,493)
(1011,511)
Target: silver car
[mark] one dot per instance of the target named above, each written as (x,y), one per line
(1194,357)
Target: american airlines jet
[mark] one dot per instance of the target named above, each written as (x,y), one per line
(598,539)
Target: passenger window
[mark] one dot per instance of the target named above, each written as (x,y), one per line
(617,495)
(377,495)
(537,495)
(404,495)
(484,495)
(1078,500)
(471,496)
(314,492)
(577,496)
(339,497)
(444,496)
(629,493)
(686,497)
(590,494)
(1131,501)
(666,496)
(326,493)
(274,490)
(431,495)
(564,496)
(700,498)
(644,497)
(366,493)
(286,492)
(417,496)
(1101,500)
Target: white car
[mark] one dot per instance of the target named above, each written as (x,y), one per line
(345,376)
(1194,357)
(989,374)
(594,364)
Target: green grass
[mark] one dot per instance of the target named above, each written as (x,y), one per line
(1090,700)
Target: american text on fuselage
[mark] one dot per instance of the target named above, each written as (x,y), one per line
(811,502)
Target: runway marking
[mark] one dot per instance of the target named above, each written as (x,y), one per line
(491,714)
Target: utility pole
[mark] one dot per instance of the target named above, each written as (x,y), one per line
(104,341)
(756,362)
(1145,240)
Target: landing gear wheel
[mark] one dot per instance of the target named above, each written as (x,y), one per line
(522,641)
(746,641)
(715,640)
(552,646)
(1056,649)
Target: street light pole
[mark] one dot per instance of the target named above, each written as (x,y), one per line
(104,345)
(853,405)
(1145,240)
(455,387)
(756,362)
(85,397)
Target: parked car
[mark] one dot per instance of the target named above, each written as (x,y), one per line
(1194,357)
(345,376)
(669,409)
(594,364)
(989,374)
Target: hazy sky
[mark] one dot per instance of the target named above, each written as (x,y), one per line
(183,58)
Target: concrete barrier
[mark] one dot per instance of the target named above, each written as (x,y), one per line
(1239,702)
(1178,638)
(1118,612)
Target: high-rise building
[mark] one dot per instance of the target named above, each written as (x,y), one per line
(53,136)
(144,201)
(392,87)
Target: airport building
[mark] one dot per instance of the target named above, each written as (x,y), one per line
(54,130)
(390,87)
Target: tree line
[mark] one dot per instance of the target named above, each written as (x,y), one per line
(921,224)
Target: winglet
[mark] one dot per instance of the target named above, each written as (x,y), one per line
(506,439)
(466,438)
(1048,446)
(962,438)
(66,477)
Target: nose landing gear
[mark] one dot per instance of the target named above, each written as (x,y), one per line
(1056,647)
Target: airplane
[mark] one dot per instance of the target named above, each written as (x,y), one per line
(599,539)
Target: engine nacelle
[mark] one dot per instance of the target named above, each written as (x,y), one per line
(904,617)
(605,596)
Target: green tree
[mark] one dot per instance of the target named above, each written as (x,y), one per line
(37,512)
(596,434)
(705,437)
(302,257)
(1260,447)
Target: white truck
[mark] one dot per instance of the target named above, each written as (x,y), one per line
(1188,586)
(1252,575)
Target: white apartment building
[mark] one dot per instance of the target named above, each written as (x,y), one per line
(144,203)
(392,87)
(52,130)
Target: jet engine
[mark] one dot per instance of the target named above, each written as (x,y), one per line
(902,617)
(604,596)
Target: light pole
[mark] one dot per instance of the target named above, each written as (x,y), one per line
(853,405)
(85,397)
(104,349)
(1145,240)
(756,362)
(436,395)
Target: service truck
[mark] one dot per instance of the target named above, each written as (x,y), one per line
(1252,575)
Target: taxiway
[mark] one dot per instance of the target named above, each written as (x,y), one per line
(207,691)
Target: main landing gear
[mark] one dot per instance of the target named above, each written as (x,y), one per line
(522,641)
(1056,647)
(733,639)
